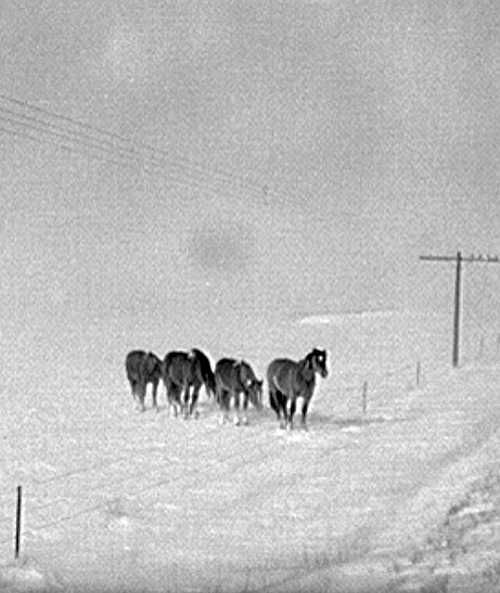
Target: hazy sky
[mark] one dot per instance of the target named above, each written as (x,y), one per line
(306,153)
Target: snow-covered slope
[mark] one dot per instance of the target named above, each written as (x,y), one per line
(116,500)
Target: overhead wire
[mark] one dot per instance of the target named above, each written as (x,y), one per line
(186,166)
(147,167)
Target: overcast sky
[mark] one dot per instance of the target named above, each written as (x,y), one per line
(305,154)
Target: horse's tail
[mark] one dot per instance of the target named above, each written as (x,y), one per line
(207,374)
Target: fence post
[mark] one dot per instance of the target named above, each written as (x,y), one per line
(365,396)
(18,522)
(419,372)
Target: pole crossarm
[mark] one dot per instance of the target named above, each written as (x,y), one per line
(487,259)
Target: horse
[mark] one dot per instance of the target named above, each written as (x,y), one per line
(287,380)
(234,378)
(143,368)
(183,370)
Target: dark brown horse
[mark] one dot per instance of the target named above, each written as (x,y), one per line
(233,379)
(287,380)
(184,373)
(143,368)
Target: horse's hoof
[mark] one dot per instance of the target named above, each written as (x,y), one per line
(245,421)
(236,421)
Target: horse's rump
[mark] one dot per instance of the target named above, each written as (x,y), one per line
(177,368)
(187,372)
(281,374)
(143,366)
(133,363)
(151,367)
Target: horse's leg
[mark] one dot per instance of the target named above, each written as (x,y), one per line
(185,407)
(305,405)
(155,389)
(133,389)
(172,396)
(194,398)
(169,393)
(245,407)
(236,419)
(224,396)
(291,412)
(142,395)
(273,401)
(282,402)
(177,399)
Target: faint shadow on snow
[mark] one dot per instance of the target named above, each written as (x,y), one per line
(357,423)
(25,576)
(120,513)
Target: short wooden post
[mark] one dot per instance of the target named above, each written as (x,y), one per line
(419,372)
(498,344)
(365,396)
(18,522)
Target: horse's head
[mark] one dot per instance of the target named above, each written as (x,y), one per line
(317,362)
(254,391)
(252,385)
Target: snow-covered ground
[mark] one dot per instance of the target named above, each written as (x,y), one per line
(404,497)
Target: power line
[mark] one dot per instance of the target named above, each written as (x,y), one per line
(149,165)
(55,134)
(66,133)
(65,147)
(180,162)
(157,167)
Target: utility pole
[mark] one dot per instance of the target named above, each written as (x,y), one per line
(459,259)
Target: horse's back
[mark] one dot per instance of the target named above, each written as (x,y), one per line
(177,367)
(175,355)
(175,359)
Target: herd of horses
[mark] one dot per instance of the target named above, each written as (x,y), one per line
(232,382)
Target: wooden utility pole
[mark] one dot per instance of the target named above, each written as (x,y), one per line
(18,522)
(459,259)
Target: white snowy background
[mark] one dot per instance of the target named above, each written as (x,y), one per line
(254,179)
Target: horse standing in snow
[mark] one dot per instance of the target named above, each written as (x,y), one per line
(288,380)
(233,379)
(183,371)
(143,368)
